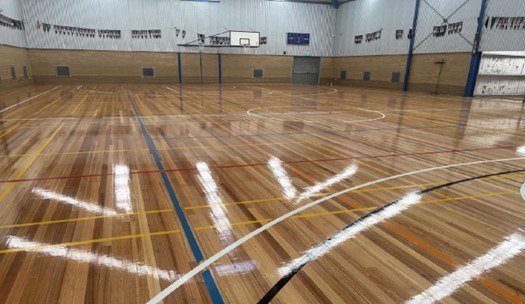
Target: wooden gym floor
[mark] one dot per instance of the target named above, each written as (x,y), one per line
(300,194)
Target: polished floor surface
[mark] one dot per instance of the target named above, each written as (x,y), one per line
(248,193)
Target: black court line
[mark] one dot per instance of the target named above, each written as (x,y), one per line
(318,250)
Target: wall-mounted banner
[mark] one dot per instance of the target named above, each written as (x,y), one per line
(399,34)
(440,30)
(373,36)
(145,34)
(11,23)
(454,28)
(505,23)
(73,31)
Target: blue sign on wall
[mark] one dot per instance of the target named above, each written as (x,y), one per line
(299,38)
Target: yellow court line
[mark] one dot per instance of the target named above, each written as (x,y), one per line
(78,106)
(186,208)
(244,223)
(319,214)
(29,163)
(92,241)
(18,124)
(317,195)
(9,130)
(83,219)
(365,190)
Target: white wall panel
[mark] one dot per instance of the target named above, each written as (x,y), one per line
(504,40)
(501,75)
(454,11)
(499,65)
(366,16)
(15,37)
(500,87)
(272,19)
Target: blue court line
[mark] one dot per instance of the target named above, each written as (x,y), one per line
(208,279)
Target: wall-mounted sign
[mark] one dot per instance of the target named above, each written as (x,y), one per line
(299,38)
(505,23)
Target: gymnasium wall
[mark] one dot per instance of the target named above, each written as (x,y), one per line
(118,66)
(18,58)
(386,55)
(332,38)
(272,19)
(501,73)
(365,16)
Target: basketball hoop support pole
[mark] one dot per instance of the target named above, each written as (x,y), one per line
(179,66)
(219,63)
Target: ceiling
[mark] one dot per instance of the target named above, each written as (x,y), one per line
(335,3)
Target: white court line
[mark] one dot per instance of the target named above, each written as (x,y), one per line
(30,98)
(172,89)
(344,109)
(522,191)
(203,265)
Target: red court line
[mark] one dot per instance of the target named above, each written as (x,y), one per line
(259,164)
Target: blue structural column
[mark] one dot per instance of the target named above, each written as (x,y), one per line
(411,47)
(179,65)
(219,58)
(476,54)
(335,3)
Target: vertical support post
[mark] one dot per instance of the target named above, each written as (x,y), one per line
(476,54)
(219,58)
(179,66)
(200,65)
(411,47)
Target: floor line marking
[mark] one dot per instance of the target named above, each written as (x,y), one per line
(164,293)
(449,260)
(370,220)
(87,218)
(30,98)
(78,106)
(261,164)
(18,124)
(194,245)
(92,241)
(489,194)
(163,149)
(242,223)
(29,163)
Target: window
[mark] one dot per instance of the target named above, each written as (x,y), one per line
(366,76)
(258,73)
(148,72)
(342,75)
(396,76)
(24,70)
(13,72)
(63,70)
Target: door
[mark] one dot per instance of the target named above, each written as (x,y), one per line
(306,70)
